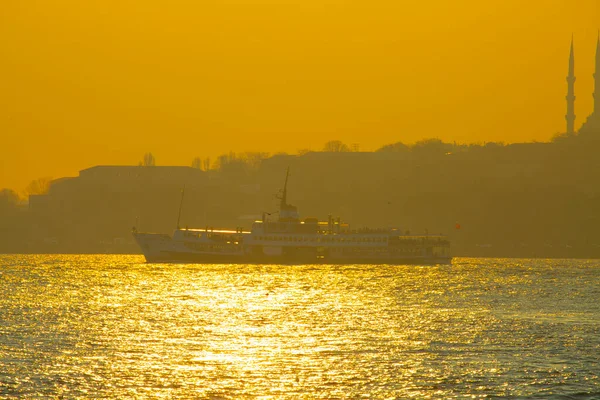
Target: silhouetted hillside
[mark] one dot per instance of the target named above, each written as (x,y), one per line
(527,199)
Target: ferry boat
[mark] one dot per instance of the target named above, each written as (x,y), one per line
(290,240)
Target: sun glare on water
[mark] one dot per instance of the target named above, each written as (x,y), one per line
(115,327)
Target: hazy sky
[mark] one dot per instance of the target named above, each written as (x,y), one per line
(87,82)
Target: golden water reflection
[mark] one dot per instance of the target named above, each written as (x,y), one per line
(113,326)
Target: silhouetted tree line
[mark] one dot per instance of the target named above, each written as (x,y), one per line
(250,161)
(148,160)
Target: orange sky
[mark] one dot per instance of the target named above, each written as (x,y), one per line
(104,81)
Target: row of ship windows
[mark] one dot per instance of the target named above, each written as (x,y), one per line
(368,251)
(209,247)
(337,239)
(386,250)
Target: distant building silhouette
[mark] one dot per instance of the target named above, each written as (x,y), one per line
(570,117)
(591,126)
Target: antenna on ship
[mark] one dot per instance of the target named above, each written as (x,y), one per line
(180,206)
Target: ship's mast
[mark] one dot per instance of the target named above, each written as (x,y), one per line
(283,203)
(287,212)
(180,206)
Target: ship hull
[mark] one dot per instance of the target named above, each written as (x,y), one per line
(196,258)
(158,248)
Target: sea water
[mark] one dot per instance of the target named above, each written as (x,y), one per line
(112,326)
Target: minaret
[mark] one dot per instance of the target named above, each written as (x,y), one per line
(570,117)
(597,81)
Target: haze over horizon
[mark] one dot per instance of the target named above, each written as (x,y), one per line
(105,82)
